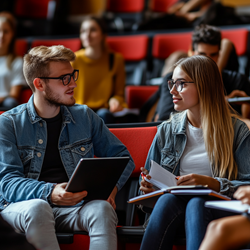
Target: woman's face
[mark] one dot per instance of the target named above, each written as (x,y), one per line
(188,97)
(6,35)
(91,34)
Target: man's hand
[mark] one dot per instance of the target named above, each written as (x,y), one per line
(63,198)
(196,179)
(145,186)
(243,194)
(114,105)
(111,198)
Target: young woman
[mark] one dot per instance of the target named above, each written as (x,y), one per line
(101,80)
(232,232)
(11,73)
(204,144)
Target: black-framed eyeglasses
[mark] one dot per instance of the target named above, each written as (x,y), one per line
(65,78)
(178,84)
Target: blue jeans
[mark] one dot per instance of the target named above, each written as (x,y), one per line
(106,115)
(169,216)
(8,103)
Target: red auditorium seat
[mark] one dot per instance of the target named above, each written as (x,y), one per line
(161,5)
(165,44)
(136,96)
(239,37)
(134,50)
(25,95)
(125,5)
(31,8)
(21,47)
(72,43)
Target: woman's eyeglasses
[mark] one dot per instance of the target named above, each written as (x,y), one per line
(178,84)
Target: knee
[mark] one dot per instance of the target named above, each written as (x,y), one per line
(196,207)
(102,213)
(38,210)
(218,229)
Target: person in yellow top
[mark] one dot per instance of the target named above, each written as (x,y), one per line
(101,81)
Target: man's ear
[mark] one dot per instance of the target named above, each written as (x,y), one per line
(39,84)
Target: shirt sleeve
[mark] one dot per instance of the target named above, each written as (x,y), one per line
(17,77)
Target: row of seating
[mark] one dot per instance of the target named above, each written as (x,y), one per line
(138,49)
(135,96)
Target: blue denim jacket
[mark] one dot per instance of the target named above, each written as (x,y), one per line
(23,139)
(170,141)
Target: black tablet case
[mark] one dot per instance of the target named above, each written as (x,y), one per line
(98,176)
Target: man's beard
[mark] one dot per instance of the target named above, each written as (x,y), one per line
(54,99)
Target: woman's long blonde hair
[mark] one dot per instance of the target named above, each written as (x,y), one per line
(216,119)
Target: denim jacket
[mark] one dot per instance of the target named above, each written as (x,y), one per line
(23,139)
(170,141)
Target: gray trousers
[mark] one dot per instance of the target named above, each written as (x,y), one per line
(40,222)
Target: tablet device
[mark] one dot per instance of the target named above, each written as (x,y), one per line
(98,176)
(238,99)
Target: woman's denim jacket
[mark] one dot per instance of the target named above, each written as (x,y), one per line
(170,141)
(23,139)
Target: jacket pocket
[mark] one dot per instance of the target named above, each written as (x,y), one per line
(82,149)
(168,159)
(26,155)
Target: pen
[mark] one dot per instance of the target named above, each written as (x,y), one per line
(143,175)
(177,177)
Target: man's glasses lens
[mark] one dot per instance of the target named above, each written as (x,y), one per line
(66,79)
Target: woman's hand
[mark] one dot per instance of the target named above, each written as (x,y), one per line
(196,179)
(114,105)
(145,186)
(243,194)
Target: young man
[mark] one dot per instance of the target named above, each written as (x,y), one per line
(206,40)
(41,143)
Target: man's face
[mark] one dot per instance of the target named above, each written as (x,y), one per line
(55,93)
(209,50)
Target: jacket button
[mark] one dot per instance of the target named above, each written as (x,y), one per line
(39,154)
(41,124)
(82,149)
(40,141)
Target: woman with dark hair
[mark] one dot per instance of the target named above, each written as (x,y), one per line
(101,80)
(204,144)
(11,74)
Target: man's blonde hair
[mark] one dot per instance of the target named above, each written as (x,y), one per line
(36,62)
(216,119)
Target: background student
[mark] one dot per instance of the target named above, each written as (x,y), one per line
(101,83)
(11,73)
(204,144)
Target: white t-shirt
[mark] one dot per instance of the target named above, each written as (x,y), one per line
(10,77)
(194,158)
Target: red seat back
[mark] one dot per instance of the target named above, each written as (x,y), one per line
(138,141)
(125,5)
(133,48)
(25,95)
(161,5)
(164,45)
(31,8)
(136,96)
(72,43)
(21,47)
(239,38)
